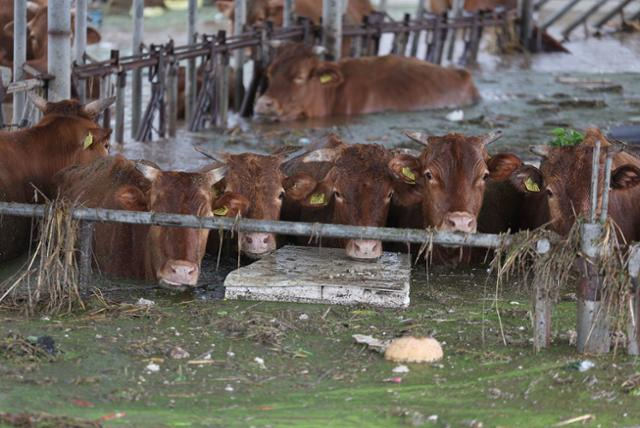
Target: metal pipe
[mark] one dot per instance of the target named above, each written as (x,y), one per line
(542,304)
(239,20)
(59,49)
(191,77)
(595,171)
(19,53)
(121,84)
(582,18)
(526,23)
(136,80)
(417,236)
(633,326)
(287,12)
(332,28)
(80,42)
(454,13)
(539,4)
(86,250)
(606,187)
(611,14)
(559,14)
(416,34)
(172,98)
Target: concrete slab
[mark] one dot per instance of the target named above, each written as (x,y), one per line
(322,275)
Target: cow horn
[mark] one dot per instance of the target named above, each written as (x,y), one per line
(276,43)
(491,137)
(319,50)
(147,169)
(94,108)
(33,7)
(540,150)
(216,174)
(38,101)
(216,157)
(321,155)
(418,137)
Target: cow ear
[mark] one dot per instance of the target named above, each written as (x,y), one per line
(328,74)
(527,179)
(230,205)
(149,171)
(131,198)
(502,165)
(625,177)
(299,186)
(225,7)
(405,168)
(93,36)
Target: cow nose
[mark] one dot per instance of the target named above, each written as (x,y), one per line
(265,105)
(256,245)
(361,249)
(176,274)
(459,221)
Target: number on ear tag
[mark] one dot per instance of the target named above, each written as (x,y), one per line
(317,199)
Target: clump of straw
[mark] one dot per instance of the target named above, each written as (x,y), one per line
(49,281)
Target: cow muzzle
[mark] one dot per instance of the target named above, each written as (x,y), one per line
(256,245)
(364,249)
(178,275)
(267,107)
(459,221)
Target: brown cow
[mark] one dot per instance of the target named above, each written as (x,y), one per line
(170,256)
(66,135)
(259,11)
(352,184)
(301,85)
(253,187)
(564,180)
(441,6)
(451,175)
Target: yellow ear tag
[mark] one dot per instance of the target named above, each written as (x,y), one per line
(222,211)
(326,78)
(88,141)
(531,185)
(317,199)
(406,171)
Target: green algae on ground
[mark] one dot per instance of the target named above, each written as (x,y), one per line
(279,364)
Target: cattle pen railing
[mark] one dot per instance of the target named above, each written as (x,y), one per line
(592,325)
(214,51)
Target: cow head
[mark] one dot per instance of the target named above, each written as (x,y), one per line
(362,182)
(300,84)
(37,30)
(564,177)
(258,11)
(451,174)
(173,254)
(252,188)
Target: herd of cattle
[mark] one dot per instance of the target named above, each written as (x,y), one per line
(452,184)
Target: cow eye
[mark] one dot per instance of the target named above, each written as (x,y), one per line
(428,174)
(485,176)
(549,192)
(338,195)
(281,195)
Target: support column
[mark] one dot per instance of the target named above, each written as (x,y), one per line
(59,49)
(136,81)
(19,54)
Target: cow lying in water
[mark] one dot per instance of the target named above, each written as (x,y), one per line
(170,256)
(352,184)
(303,86)
(559,190)
(66,135)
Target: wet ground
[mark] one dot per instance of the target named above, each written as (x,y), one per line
(268,364)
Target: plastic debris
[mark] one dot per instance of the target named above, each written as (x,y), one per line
(152,368)
(260,362)
(396,379)
(455,116)
(145,303)
(303,317)
(177,353)
(585,365)
(400,369)
(228,388)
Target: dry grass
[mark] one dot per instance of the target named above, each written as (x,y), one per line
(49,282)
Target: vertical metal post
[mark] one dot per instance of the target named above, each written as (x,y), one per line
(541,304)
(332,28)
(86,248)
(172,97)
(416,34)
(633,326)
(454,13)
(80,42)
(121,84)
(382,5)
(287,12)
(595,172)
(136,81)
(240,18)
(223,83)
(191,78)
(59,49)
(19,53)
(526,23)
